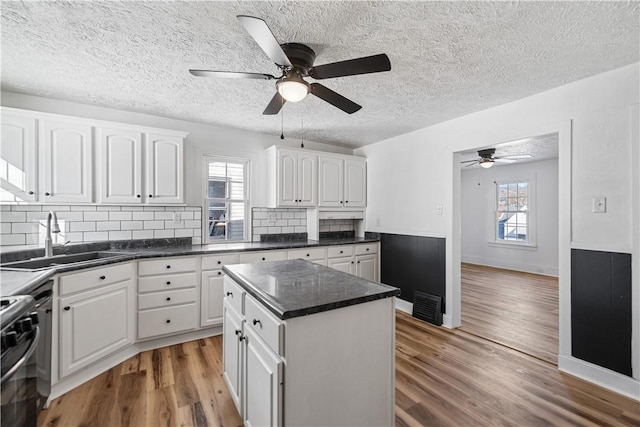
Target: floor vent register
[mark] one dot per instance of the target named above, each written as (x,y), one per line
(427,307)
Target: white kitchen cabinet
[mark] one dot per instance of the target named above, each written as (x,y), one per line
(66,150)
(342,181)
(94,324)
(120,166)
(233,354)
(165,175)
(211,298)
(251,257)
(367,267)
(346,265)
(360,260)
(292,178)
(18,160)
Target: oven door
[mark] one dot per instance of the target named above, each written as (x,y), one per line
(19,382)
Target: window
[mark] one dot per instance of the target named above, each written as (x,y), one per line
(226,199)
(512,212)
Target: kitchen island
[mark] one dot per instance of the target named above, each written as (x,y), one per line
(308,345)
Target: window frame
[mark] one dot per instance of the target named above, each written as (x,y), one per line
(530,243)
(207,200)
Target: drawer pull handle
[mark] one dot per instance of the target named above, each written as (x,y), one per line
(138,196)
(67,308)
(168,266)
(103,277)
(242,338)
(168,282)
(358,262)
(219,262)
(264,259)
(150,195)
(30,192)
(168,320)
(351,262)
(367,248)
(168,298)
(219,273)
(238,331)
(47,193)
(256,321)
(307,254)
(341,252)
(229,294)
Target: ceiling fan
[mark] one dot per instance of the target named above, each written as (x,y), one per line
(487,159)
(295,60)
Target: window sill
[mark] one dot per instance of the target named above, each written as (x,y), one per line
(513,245)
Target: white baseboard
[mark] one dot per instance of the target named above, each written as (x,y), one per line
(403,305)
(598,375)
(545,270)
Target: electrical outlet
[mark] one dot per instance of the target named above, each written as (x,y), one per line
(271,216)
(599,204)
(176,218)
(439,209)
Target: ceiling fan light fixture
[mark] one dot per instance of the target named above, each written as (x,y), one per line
(486,163)
(292,89)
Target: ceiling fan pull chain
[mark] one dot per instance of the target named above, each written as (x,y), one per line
(302,130)
(282,121)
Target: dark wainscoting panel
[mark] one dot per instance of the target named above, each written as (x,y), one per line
(413,263)
(601,308)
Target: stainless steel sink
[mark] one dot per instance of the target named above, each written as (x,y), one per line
(80,258)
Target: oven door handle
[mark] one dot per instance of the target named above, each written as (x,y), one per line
(43,298)
(27,354)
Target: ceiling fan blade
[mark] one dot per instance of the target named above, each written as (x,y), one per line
(259,30)
(231,75)
(334,98)
(470,161)
(471,164)
(275,105)
(515,156)
(352,67)
(503,160)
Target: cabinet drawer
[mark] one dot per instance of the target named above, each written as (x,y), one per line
(164,299)
(265,324)
(366,248)
(167,282)
(308,253)
(250,257)
(339,251)
(234,294)
(162,321)
(214,262)
(166,265)
(96,277)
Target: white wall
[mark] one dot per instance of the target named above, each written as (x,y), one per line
(478,217)
(409,174)
(202,140)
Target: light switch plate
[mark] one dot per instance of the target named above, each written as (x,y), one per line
(439,209)
(599,204)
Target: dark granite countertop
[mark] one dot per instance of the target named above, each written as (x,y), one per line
(297,287)
(134,249)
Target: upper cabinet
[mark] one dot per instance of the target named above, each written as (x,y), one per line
(164,169)
(292,178)
(18,160)
(66,150)
(48,158)
(342,181)
(120,166)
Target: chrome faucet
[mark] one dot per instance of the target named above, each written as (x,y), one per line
(51,228)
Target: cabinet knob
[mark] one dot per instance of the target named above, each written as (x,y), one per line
(307,254)
(341,201)
(341,252)
(168,282)
(351,262)
(367,248)
(256,321)
(219,273)
(67,308)
(168,298)
(219,262)
(138,196)
(238,331)
(242,338)
(168,320)
(47,193)
(168,266)
(347,201)
(150,195)
(358,262)
(103,277)
(264,259)
(30,192)
(229,294)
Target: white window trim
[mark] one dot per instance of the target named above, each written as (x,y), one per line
(205,208)
(530,244)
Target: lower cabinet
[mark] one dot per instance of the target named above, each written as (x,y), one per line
(342,264)
(367,267)
(211,298)
(94,324)
(233,354)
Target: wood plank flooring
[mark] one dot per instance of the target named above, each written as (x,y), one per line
(443,378)
(519,310)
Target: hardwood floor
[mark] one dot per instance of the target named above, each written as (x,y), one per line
(443,378)
(519,310)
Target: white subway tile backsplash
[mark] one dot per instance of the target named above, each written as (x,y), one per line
(34,216)
(71,216)
(83,208)
(12,239)
(153,208)
(33,239)
(82,226)
(163,234)
(95,236)
(278,221)
(187,215)
(56,208)
(197,215)
(108,208)
(74,237)
(288,230)
(120,216)
(107,225)
(196,241)
(133,208)
(24,227)
(119,235)
(142,234)
(191,223)
(259,215)
(153,225)
(131,225)
(184,232)
(5,228)
(141,216)
(197,232)
(26,208)
(14,217)
(96,216)
(163,215)
(301,229)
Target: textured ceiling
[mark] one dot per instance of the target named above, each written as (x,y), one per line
(539,147)
(448,58)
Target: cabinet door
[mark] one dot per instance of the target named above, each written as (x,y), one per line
(341,264)
(164,169)
(18,167)
(355,183)
(232,355)
(307,179)
(263,383)
(367,267)
(120,166)
(331,183)
(95,324)
(211,298)
(67,156)
(287,178)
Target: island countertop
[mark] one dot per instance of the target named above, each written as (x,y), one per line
(297,287)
